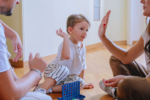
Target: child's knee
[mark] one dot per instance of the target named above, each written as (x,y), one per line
(64,72)
(58,74)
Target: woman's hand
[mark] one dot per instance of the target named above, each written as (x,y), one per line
(88,86)
(61,33)
(17,45)
(113,82)
(103,25)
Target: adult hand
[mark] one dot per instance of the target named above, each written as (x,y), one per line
(37,63)
(61,33)
(88,86)
(113,82)
(103,25)
(17,46)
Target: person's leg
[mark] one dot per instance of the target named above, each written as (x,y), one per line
(133,88)
(69,79)
(133,68)
(74,78)
(118,68)
(53,75)
(36,96)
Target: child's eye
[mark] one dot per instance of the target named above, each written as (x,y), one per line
(81,28)
(87,30)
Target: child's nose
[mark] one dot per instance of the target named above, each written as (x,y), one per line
(85,33)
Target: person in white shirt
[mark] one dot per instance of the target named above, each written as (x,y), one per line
(70,62)
(12,88)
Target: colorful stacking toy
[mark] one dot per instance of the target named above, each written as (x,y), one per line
(71,91)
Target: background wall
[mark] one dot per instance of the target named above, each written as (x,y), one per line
(136,22)
(36,22)
(42,19)
(15,22)
(117,27)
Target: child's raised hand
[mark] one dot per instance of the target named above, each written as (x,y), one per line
(103,25)
(88,86)
(61,33)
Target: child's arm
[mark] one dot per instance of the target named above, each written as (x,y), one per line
(66,46)
(82,74)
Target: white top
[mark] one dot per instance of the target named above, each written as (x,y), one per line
(146,38)
(4,54)
(77,61)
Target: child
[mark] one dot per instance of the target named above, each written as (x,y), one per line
(70,63)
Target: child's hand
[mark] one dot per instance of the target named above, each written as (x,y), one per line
(103,25)
(61,33)
(88,86)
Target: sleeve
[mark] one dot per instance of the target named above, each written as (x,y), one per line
(60,51)
(144,35)
(84,59)
(4,62)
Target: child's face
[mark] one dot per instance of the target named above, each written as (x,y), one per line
(79,31)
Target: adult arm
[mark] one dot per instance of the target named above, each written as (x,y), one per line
(14,75)
(123,55)
(16,42)
(14,90)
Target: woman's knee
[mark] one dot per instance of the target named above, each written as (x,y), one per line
(125,86)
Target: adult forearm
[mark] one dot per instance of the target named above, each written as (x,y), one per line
(24,84)
(66,48)
(114,49)
(14,75)
(9,33)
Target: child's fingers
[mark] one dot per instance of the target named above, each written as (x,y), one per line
(59,30)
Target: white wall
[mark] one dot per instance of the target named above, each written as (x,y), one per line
(117,26)
(136,21)
(42,18)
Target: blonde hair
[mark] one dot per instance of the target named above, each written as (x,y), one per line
(74,19)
